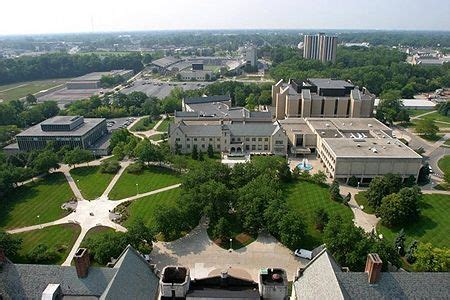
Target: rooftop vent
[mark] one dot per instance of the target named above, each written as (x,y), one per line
(335,135)
(358,145)
(370,125)
(374,150)
(328,125)
(322,133)
(351,123)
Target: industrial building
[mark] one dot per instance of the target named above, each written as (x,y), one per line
(321,98)
(92,80)
(320,47)
(74,131)
(196,75)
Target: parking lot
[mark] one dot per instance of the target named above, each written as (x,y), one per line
(116,123)
(161,89)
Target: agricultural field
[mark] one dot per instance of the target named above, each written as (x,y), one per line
(18,90)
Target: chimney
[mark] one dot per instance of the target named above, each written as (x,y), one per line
(373,267)
(82,262)
(224,279)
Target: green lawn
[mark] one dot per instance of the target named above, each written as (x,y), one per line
(42,198)
(304,198)
(145,207)
(156,137)
(91,182)
(436,117)
(150,179)
(141,126)
(432,227)
(164,126)
(62,237)
(416,112)
(362,200)
(444,164)
(18,90)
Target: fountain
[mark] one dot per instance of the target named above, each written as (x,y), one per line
(305,165)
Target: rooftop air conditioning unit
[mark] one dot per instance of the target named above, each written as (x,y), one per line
(370,125)
(374,150)
(328,125)
(358,145)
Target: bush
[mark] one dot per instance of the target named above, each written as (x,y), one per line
(320,218)
(109,167)
(353,181)
(135,168)
(42,254)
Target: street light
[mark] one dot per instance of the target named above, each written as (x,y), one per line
(231,244)
(137,188)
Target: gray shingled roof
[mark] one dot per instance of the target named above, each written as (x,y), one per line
(134,278)
(216,98)
(396,285)
(20,281)
(252,129)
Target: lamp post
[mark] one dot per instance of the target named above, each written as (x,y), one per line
(358,186)
(231,244)
(137,188)
(40,225)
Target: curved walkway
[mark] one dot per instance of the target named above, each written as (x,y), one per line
(202,256)
(148,133)
(90,214)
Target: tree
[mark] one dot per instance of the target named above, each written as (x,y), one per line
(140,236)
(147,152)
(427,128)
(347,198)
(411,253)
(200,156)
(109,167)
(400,208)
(320,218)
(194,153)
(335,193)
(210,151)
(410,181)
(11,244)
(291,230)
(77,156)
(42,254)
(400,242)
(352,181)
(424,174)
(170,222)
(45,161)
(429,259)
(31,99)
(319,177)
(380,187)
(221,229)
(105,246)
(389,107)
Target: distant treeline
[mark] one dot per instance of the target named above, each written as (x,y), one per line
(62,65)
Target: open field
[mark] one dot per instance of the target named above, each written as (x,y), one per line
(304,198)
(436,117)
(59,237)
(164,126)
(150,179)
(416,112)
(142,126)
(156,137)
(433,225)
(91,181)
(18,90)
(42,198)
(145,207)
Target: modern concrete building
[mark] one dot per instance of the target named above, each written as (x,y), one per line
(320,47)
(321,97)
(74,131)
(251,55)
(359,147)
(92,80)
(186,103)
(197,75)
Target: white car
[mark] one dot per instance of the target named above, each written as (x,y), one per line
(302,253)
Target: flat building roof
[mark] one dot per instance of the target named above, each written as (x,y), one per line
(85,127)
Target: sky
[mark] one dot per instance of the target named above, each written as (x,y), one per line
(53,16)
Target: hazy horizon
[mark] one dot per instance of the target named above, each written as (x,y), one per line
(83,16)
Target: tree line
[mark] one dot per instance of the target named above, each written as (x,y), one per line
(63,65)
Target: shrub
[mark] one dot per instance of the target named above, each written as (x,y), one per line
(352,181)
(110,167)
(42,254)
(135,168)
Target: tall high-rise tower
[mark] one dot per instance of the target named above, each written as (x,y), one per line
(320,47)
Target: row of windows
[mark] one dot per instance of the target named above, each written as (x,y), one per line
(203,146)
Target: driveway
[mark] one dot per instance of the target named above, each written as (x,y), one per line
(203,257)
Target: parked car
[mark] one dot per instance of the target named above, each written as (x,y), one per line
(302,253)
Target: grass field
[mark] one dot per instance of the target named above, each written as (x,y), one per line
(91,181)
(444,164)
(164,126)
(416,112)
(140,125)
(304,198)
(61,237)
(18,90)
(436,117)
(151,178)
(156,137)
(145,207)
(42,198)
(432,227)
(362,200)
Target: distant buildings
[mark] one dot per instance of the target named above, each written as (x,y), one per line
(74,131)
(429,59)
(321,97)
(251,56)
(320,47)
(196,75)
(92,80)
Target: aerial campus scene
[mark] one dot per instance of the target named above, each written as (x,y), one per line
(225,150)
